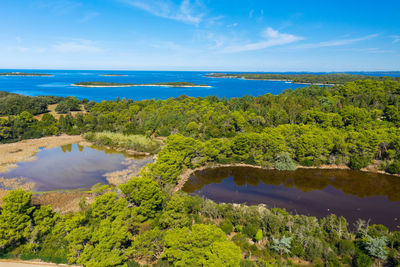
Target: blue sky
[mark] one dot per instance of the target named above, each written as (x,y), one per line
(225,35)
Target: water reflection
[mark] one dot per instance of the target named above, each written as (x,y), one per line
(314,192)
(69,167)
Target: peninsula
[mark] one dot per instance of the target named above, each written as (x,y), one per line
(25,74)
(166,84)
(316,79)
(112,75)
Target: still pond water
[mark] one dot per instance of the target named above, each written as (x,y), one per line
(69,167)
(316,192)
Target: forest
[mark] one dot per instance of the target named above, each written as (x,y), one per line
(330,78)
(145,222)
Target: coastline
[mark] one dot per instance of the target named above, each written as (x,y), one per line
(271,80)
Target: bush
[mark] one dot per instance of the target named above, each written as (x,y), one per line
(345,248)
(358,162)
(226,226)
(362,260)
(307,162)
(285,163)
(394,168)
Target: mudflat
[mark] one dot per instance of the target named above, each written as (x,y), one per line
(25,150)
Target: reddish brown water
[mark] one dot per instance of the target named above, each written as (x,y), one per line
(315,192)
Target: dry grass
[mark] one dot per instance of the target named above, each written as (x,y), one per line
(139,143)
(52,111)
(62,202)
(25,150)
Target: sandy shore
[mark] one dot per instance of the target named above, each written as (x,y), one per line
(25,150)
(142,85)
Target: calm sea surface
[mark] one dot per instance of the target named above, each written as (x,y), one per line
(60,84)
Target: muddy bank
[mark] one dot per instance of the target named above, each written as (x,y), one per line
(25,150)
(133,168)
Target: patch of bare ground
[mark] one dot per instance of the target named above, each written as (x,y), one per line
(62,202)
(52,111)
(25,150)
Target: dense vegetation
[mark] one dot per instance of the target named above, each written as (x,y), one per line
(143,221)
(105,84)
(332,78)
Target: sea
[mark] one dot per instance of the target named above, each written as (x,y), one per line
(60,84)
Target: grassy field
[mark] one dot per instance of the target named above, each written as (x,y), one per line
(138,143)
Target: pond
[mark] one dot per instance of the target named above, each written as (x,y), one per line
(71,167)
(315,192)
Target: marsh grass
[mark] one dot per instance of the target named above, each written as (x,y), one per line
(138,143)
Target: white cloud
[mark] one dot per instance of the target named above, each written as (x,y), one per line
(337,42)
(88,16)
(77,46)
(60,7)
(186,11)
(271,38)
(396,38)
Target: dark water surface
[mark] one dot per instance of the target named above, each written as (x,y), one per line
(68,167)
(316,192)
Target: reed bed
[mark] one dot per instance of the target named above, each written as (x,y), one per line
(138,143)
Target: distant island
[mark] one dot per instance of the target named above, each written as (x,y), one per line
(167,84)
(25,74)
(108,75)
(317,79)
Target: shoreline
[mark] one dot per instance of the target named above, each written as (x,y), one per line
(186,173)
(271,80)
(142,85)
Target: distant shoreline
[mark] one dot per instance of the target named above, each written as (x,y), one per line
(111,75)
(271,80)
(140,85)
(25,75)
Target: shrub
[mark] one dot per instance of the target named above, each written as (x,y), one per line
(346,247)
(358,162)
(284,162)
(362,260)
(394,167)
(226,226)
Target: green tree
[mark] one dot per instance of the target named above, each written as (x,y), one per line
(145,193)
(203,245)
(15,220)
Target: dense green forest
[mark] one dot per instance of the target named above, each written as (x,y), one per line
(144,222)
(331,78)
